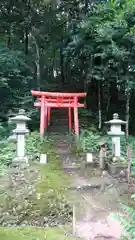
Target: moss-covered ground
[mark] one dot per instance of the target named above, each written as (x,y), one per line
(36,196)
(33,234)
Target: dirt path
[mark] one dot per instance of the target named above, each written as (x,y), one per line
(93,197)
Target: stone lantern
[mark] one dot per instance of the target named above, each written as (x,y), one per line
(20,120)
(115,133)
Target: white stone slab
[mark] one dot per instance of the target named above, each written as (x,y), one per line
(43,159)
(89,158)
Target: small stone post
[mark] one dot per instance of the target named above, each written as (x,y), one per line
(20,131)
(102,155)
(115,133)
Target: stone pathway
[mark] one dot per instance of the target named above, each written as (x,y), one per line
(94,198)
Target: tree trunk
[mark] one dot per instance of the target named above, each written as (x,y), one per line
(37,62)
(127,115)
(99,106)
(86,2)
(8,39)
(38,66)
(8,42)
(53,64)
(26,41)
(62,62)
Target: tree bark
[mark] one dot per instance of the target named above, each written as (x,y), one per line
(53,62)
(37,62)
(62,62)
(99,106)
(86,2)
(38,65)
(26,41)
(8,42)
(8,39)
(127,115)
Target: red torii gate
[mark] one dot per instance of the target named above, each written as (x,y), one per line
(48,100)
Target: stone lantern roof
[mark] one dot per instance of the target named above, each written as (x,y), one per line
(21,117)
(116,120)
(20,120)
(115,126)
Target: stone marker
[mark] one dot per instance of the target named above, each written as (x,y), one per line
(89,158)
(102,154)
(43,159)
(20,131)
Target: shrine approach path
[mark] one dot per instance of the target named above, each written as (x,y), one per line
(94,197)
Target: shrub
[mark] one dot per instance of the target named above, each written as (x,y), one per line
(127,221)
(89,140)
(34,146)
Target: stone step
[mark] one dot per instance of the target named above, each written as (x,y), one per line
(76,157)
(85,184)
(86,187)
(71,168)
(60,127)
(57,131)
(59,122)
(58,117)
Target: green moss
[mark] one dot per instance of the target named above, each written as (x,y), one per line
(50,182)
(33,234)
(77,149)
(51,187)
(53,181)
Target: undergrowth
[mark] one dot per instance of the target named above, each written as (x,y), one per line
(127,221)
(90,139)
(34,147)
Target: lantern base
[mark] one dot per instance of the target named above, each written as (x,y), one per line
(20,161)
(116,168)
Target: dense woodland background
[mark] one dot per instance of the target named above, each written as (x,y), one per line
(70,46)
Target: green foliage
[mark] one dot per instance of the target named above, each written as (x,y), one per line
(61,48)
(83,112)
(7,150)
(127,221)
(14,77)
(7,153)
(89,139)
(34,147)
(131,143)
(3,131)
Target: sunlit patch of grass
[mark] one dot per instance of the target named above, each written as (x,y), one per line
(32,233)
